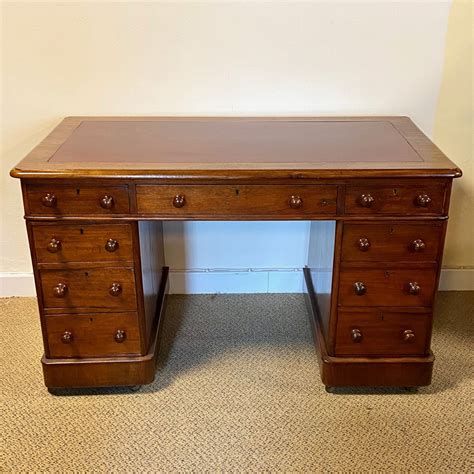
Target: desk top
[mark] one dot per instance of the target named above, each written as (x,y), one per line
(228,148)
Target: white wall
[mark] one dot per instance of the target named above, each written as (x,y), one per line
(153,58)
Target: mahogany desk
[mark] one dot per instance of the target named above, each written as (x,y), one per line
(97,189)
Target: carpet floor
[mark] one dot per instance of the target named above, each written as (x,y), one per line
(237,389)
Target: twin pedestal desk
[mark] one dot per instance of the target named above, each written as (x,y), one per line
(97,190)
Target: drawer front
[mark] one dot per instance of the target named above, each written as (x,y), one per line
(215,200)
(402,200)
(83,243)
(54,200)
(382,333)
(93,335)
(99,287)
(387,287)
(391,242)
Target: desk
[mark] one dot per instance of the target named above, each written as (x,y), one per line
(97,190)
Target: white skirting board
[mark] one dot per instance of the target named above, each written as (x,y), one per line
(212,281)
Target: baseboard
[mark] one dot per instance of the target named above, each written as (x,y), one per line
(17,284)
(208,281)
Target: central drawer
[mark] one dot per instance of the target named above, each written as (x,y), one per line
(387,287)
(210,201)
(95,287)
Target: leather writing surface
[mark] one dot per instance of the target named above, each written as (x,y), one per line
(214,141)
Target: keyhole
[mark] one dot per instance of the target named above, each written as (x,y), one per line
(86,274)
(237,192)
(81,231)
(395,192)
(78,191)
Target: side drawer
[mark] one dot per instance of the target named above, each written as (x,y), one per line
(382,333)
(391,242)
(287,201)
(416,199)
(93,287)
(93,335)
(57,200)
(59,243)
(387,287)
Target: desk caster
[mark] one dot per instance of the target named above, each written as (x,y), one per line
(330,389)
(135,388)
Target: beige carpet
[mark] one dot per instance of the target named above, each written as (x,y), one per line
(238,390)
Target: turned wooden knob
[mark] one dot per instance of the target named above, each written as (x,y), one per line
(49,200)
(366,200)
(422,200)
(179,201)
(359,288)
(60,290)
(107,202)
(54,245)
(364,244)
(111,245)
(417,245)
(414,288)
(120,336)
(115,289)
(408,335)
(295,202)
(356,335)
(66,337)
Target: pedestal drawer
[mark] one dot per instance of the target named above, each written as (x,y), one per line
(111,288)
(415,199)
(56,200)
(391,242)
(93,334)
(60,243)
(290,201)
(382,333)
(387,287)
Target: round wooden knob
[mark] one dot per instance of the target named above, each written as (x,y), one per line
(359,288)
(295,202)
(54,245)
(364,244)
(60,290)
(120,336)
(107,202)
(111,245)
(66,337)
(417,245)
(422,200)
(356,335)
(366,200)
(115,289)
(179,201)
(414,288)
(49,200)
(408,335)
